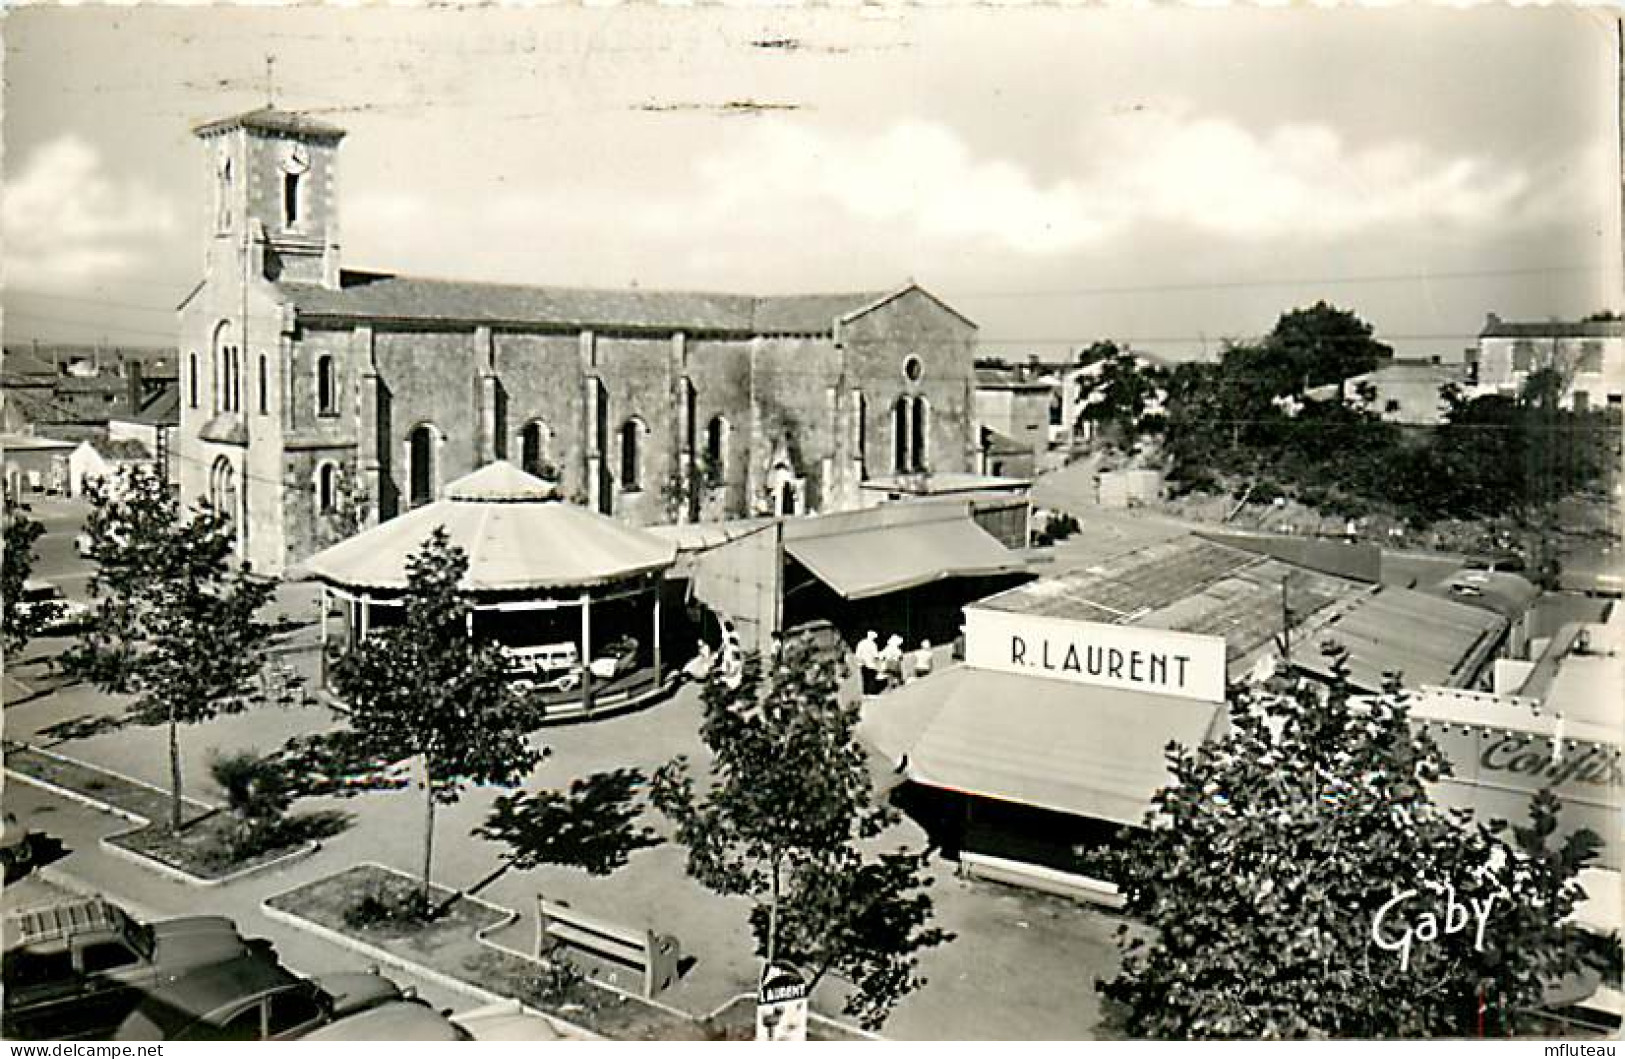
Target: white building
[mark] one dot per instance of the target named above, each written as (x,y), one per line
(1590,354)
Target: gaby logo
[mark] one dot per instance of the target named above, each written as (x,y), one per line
(1391,937)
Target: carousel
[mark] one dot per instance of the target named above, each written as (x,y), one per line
(575,598)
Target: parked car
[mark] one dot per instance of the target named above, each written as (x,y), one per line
(76,970)
(407,1019)
(252,1000)
(1502,562)
(507,1020)
(64,615)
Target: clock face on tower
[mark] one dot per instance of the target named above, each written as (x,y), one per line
(296,158)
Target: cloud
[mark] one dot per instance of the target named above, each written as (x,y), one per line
(1205,174)
(65,221)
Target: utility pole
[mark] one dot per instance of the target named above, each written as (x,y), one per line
(1286,621)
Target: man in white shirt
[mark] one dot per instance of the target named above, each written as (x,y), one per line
(867,654)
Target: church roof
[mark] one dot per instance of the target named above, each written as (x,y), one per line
(374,295)
(269,119)
(516,532)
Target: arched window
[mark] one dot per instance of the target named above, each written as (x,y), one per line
(290,199)
(326,387)
(534,445)
(921,438)
(327,488)
(191,378)
(687,427)
(716,451)
(631,455)
(265,386)
(902,435)
(229,393)
(220,367)
(223,487)
(420,460)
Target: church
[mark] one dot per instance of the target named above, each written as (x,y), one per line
(317,400)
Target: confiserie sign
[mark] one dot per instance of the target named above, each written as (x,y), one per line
(1085,652)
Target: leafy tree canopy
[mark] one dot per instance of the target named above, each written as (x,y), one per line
(19,624)
(1268,859)
(428,688)
(173,619)
(1323,344)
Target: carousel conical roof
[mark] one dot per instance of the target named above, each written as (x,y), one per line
(517,533)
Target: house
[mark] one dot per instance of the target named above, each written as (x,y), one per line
(103,458)
(72,391)
(34,464)
(1403,391)
(1014,407)
(1589,353)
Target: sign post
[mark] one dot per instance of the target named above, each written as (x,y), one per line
(781,1005)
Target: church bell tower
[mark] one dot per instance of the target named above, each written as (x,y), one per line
(274,192)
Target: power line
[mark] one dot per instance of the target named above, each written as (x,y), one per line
(1392,277)
(26,293)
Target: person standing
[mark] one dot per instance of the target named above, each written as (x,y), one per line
(867,655)
(891,662)
(920,661)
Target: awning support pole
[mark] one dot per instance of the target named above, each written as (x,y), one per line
(325,604)
(657,632)
(586,651)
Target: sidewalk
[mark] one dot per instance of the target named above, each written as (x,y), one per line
(148,895)
(1023,966)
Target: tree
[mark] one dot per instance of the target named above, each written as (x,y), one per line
(592,826)
(20,624)
(1286,870)
(1116,397)
(428,688)
(1326,344)
(789,819)
(173,617)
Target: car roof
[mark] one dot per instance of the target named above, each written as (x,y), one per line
(193,996)
(397,1020)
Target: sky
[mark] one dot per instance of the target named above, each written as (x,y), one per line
(1169,177)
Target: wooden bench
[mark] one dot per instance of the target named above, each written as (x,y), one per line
(655,955)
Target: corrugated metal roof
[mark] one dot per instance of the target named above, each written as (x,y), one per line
(1187,585)
(364,295)
(1425,639)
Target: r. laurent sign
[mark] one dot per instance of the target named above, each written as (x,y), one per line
(1083,652)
